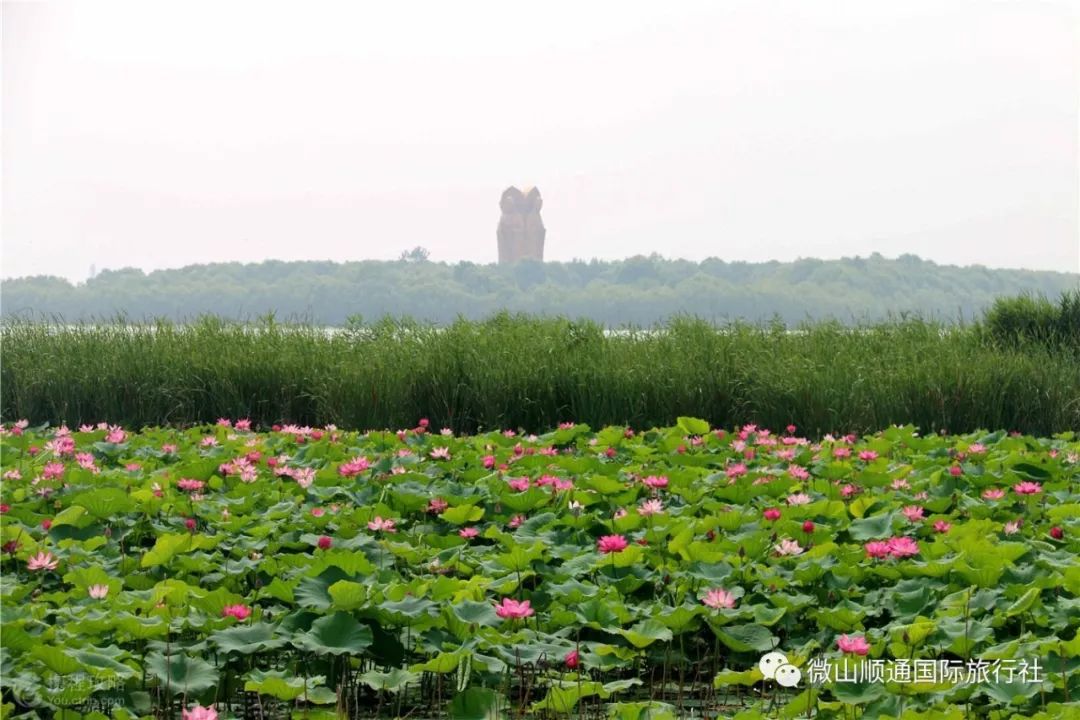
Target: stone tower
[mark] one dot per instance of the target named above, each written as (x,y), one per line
(521,231)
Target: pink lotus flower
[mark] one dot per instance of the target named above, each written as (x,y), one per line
(572,660)
(877,549)
(317,512)
(620,513)
(798,472)
(201,713)
(903,547)
(942,527)
(353,467)
(379,523)
(1011,528)
(304,477)
(956,470)
(993,494)
(437,505)
(867,455)
(42,561)
(656,482)
(511,609)
(650,507)
(798,499)
(440,453)
(489,461)
(1027,488)
(855,644)
(240,612)
(611,544)
(116,434)
(325,542)
(788,547)
(841,452)
(976,448)
(719,598)
(189,484)
(516,521)
(98,591)
(168,449)
(469,532)
(848,490)
(771,514)
(520,484)
(913,513)
(735,471)
(243,424)
(53,470)
(900,484)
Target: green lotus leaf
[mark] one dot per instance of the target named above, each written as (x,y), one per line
(56,659)
(872,528)
(693,426)
(476,613)
(477,703)
(104,503)
(462,514)
(564,698)
(248,639)
(287,686)
(336,634)
(395,680)
(443,662)
(646,633)
(181,673)
(725,678)
(746,638)
(1023,603)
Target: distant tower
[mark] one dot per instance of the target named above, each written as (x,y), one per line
(521,231)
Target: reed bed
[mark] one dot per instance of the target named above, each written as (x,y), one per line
(530,373)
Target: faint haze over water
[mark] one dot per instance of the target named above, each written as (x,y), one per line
(163,134)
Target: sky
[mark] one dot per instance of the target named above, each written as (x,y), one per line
(164,134)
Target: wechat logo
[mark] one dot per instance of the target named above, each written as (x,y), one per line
(775,666)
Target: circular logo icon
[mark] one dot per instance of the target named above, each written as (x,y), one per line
(788,675)
(770,662)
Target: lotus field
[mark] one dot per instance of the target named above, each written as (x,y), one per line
(689,571)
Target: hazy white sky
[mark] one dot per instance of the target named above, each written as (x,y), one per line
(156,134)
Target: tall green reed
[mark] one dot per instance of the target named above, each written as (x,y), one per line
(531,373)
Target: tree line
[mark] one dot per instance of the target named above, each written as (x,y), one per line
(637,291)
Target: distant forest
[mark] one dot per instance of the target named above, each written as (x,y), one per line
(636,291)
